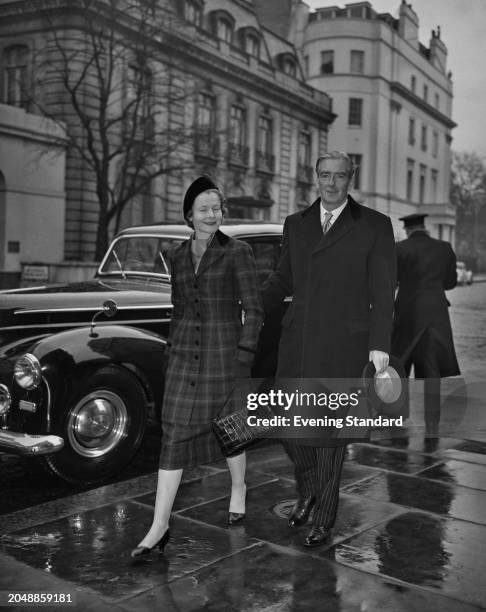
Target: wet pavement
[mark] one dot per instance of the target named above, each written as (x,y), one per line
(410,534)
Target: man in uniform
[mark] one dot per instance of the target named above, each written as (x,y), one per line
(422,336)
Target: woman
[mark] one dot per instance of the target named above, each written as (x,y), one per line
(209,348)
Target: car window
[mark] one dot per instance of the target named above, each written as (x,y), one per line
(139,254)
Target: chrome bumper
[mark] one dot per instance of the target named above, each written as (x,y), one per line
(17,443)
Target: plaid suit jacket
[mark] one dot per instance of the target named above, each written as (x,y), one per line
(207,335)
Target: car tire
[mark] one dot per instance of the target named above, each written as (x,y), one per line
(102,427)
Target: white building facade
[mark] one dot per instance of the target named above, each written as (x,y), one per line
(32,196)
(393,100)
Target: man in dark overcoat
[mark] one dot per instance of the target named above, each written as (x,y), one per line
(338,264)
(422,335)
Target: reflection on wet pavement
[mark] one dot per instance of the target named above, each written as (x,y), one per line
(267,510)
(460,455)
(93,548)
(457,472)
(415,441)
(409,536)
(437,497)
(424,550)
(385,458)
(265,578)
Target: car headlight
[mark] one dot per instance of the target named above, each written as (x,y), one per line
(5,400)
(27,371)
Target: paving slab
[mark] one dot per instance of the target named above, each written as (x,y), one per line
(280,466)
(416,441)
(268,508)
(16,576)
(212,486)
(472,446)
(437,497)
(92,548)
(458,472)
(389,459)
(271,578)
(424,550)
(460,455)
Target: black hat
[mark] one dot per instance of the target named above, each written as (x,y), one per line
(412,220)
(387,392)
(202,183)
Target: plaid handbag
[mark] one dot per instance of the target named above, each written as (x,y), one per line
(234,434)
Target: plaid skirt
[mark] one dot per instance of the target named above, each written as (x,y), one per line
(187,446)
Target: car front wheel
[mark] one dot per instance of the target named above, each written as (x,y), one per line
(102,428)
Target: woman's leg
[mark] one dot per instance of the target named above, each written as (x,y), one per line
(237,467)
(167,486)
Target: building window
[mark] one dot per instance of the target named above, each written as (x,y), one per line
(289,67)
(433,184)
(357,62)
(410,172)
(327,62)
(357,163)
(237,125)
(225,30)
(265,159)
(423,138)
(426,93)
(325,14)
(413,83)
(356,12)
(252,46)
(265,134)
(305,171)
(304,148)
(355,111)
(193,12)
(205,112)
(306,65)
(423,171)
(15,76)
(411,131)
(435,144)
(207,144)
(437,101)
(237,149)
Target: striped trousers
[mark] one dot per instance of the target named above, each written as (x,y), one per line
(318,473)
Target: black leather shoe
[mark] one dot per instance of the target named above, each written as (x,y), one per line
(141,551)
(317,536)
(235,517)
(301,510)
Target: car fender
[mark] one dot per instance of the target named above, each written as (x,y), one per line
(72,356)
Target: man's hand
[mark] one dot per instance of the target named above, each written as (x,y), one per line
(380,360)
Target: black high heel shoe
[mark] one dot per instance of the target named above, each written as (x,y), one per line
(235,517)
(141,551)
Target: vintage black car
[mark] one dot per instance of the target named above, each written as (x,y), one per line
(79,392)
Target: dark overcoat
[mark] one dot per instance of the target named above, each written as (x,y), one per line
(207,335)
(426,268)
(342,286)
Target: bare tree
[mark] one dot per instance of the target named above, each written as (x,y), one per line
(468,194)
(110,72)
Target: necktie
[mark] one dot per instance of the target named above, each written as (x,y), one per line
(326,224)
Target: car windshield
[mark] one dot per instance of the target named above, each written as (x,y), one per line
(139,255)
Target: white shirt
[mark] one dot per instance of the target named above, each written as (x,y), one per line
(335,213)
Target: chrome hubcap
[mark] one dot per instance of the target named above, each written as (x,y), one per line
(97,423)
